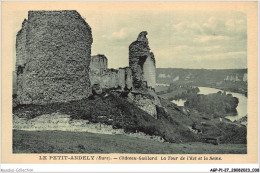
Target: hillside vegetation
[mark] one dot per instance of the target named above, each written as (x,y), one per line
(113,108)
(217,104)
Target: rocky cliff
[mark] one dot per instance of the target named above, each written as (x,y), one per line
(147,102)
(53,51)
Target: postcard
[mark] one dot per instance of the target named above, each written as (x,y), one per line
(129,82)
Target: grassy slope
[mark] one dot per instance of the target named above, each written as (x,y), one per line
(118,112)
(226,131)
(83,142)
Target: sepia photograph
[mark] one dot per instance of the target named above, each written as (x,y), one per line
(94,80)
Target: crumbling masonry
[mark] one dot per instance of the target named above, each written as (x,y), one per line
(53,51)
(54,63)
(140,75)
(142,63)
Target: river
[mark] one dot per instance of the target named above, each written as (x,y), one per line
(241,108)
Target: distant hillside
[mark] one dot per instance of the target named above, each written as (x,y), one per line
(228,79)
(201,76)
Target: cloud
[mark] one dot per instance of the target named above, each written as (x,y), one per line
(180,26)
(221,56)
(232,24)
(208,38)
(181,47)
(210,48)
(184,48)
(122,34)
(222,26)
(209,29)
(236,53)
(186,27)
(237,28)
(178,40)
(196,27)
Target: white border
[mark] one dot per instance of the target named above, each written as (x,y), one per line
(126,167)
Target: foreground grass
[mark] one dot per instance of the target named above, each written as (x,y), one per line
(83,142)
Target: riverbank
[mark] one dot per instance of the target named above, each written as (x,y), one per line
(242,102)
(214,105)
(227,89)
(241,108)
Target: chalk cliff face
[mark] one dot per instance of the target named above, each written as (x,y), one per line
(53,51)
(142,63)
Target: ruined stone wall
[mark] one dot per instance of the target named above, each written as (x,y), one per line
(98,62)
(58,49)
(97,68)
(21,46)
(109,79)
(20,58)
(125,78)
(139,51)
(149,71)
(121,78)
(113,78)
(128,78)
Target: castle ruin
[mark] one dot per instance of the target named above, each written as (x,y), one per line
(54,62)
(101,75)
(97,67)
(142,63)
(139,76)
(53,52)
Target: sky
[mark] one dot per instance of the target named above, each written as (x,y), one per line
(190,39)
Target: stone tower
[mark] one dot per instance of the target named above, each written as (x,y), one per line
(53,53)
(142,63)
